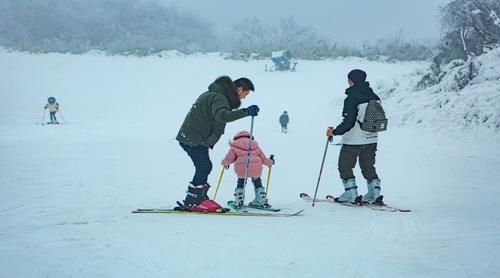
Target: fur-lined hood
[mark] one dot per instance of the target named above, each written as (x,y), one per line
(224,85)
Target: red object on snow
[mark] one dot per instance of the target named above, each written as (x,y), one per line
(207,206)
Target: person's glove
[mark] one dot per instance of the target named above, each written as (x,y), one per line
(329,133)
(252,110)
(272,158)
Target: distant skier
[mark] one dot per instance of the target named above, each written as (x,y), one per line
(203,127)
(357,142)
(238,154)
(284,122)
(53,107)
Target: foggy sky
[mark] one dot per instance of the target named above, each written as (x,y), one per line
(347,21)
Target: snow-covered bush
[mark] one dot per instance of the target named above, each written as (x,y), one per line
(466,98)
(471,28)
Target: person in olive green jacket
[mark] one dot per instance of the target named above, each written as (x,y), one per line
(204,125)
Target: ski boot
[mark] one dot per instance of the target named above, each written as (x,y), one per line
(195,195)
(373,195)
(260,200)
(198,201)
(351,193)
(239,198)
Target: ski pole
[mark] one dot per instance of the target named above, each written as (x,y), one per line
(62,117)
(321,169)
(220,179)
(43,117)
(248,153)
(269,176)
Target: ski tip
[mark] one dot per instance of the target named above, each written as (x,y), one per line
(298,212)
(305,196)
(142,210)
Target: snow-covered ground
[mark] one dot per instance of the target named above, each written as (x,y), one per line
(66,191)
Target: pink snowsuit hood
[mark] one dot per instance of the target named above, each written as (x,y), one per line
(238,154)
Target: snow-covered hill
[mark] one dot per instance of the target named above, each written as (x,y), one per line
(450,107)
(66,191)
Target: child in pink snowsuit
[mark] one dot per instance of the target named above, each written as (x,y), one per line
(238,154)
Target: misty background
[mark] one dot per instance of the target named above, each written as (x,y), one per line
(350,22)
(312,31)
(386,30)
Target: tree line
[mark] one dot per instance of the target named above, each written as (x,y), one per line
(145,27)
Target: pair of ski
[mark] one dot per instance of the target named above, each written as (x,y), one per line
(244,211)
(245,208)
(331,199)
(51,123)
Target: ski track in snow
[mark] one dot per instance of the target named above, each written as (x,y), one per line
(66,192)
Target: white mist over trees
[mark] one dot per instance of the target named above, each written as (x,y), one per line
(252,37)
(117,27)
(146,27)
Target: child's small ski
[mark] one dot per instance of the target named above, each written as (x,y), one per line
(231,205)
(331,199)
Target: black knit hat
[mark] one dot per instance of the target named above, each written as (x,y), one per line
(357,76)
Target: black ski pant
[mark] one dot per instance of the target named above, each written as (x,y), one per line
(201,161)
(257,182)
(53,116)
(348,157)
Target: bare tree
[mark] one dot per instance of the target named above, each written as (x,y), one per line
(251,36)
(291,33)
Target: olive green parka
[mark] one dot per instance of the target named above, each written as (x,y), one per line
(206,121)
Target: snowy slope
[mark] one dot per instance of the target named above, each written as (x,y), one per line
(66,191)
(471,112)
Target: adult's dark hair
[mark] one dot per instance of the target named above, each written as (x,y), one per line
(244,83)
(230,90)
(357,76)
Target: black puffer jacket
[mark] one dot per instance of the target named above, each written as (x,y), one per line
(356,95)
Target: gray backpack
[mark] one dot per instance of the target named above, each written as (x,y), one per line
(375,119)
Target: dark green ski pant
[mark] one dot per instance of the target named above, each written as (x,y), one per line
(349,156)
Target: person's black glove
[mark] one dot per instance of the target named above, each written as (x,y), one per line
(272,158)
(252,110)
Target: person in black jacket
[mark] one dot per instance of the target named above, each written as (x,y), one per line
(284,122)
(357,143)
(204,125)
